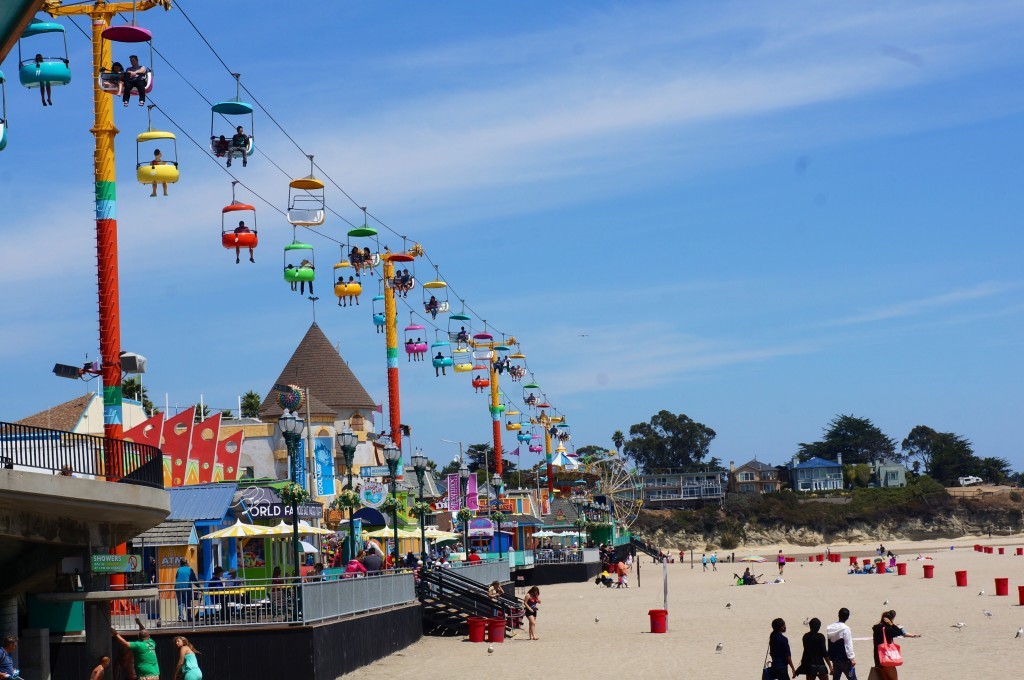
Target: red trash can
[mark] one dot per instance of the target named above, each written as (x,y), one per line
(496,629)
(820,558)
(977,548)
(1002,587)
(837,557)
(961,579)
(1020,551)
(901,568)
(790,559)
(659,620)
(867,563)
(1001,551)
(477,628)
(853,560)
(1020,595)
(988,550)
(880,568)
(929,571)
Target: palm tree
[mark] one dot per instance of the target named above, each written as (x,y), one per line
(618,439)
(202,412)
(132,388)
(251,401)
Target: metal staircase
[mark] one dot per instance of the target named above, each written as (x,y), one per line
(448,599)
(645,548)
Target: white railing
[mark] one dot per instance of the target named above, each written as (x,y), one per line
(344,597)
(256,602)
(484,573)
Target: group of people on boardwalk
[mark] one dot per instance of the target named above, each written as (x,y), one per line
(138,658)
(831,654)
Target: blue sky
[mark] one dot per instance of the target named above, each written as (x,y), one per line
(758,214)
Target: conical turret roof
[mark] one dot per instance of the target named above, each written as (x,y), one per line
(317,366)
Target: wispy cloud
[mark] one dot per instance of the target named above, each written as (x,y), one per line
(922,306)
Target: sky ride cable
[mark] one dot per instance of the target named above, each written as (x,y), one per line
(315,165)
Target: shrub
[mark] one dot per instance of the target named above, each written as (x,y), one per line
(1016,497)
(730,541)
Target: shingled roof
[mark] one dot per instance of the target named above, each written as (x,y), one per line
(317,366)
(62,416)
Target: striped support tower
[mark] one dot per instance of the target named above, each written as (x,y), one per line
(391,338)
(496,421)
(547,454)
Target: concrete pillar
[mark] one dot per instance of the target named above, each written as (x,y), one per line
(98,641)
(9,620)
(34,648)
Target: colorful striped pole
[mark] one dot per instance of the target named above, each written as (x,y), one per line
(391,338)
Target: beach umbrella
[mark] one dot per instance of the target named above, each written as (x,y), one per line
(306,528)
(389,533)
(238,530)
(438,535)
(752,558)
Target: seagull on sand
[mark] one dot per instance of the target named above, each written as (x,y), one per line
(597,620)
(1020,633)
(728,605)
(719,647)
(986,613)
(807,620)
(885,603)
(980,593)
(959,625)
(490,649)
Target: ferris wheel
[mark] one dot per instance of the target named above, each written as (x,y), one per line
(620,486)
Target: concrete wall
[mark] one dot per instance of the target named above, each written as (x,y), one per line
(323,652)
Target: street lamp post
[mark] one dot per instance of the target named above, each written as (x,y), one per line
(291,429)
(419,464)
(497,483)
(393,455)
(464,481)
(347,442)
(579,519)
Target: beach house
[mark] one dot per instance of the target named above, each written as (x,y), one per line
(816,474)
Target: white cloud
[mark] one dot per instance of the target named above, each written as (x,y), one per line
(932,303)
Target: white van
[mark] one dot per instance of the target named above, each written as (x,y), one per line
(970,481)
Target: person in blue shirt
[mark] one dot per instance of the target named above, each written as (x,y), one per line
(778,651)
(184,577)
(714,561)
(7,669)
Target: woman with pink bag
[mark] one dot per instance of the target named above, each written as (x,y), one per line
(887,653)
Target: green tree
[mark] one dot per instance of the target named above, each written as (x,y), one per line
(945,456)
(477,453)
(994,470)
(857,439)
(132,388)
(668,442)
(251,401)
(202,412)
(227,413)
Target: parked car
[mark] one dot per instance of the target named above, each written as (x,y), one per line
(970,480)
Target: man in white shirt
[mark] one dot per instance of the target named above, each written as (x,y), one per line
(840,647)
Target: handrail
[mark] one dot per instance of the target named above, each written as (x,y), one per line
(74,454)
(466,593)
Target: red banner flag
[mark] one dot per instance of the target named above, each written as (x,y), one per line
(177,440)
(199,465)
(225,468)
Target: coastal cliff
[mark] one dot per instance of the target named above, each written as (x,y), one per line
(865,515)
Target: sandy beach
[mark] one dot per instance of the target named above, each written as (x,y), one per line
(590,631)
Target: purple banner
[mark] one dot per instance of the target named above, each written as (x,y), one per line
(454,494)
(472,500)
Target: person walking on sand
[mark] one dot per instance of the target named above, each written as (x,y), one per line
(531,603)
(188,665)
(781,559)
(840,647)
(814,662)
(714,561)
(778,651)
(885,631)
(704,561)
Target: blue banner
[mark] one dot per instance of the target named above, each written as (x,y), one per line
(300,464)
(323,452)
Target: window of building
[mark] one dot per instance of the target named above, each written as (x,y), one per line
(747,488)
(746,476)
